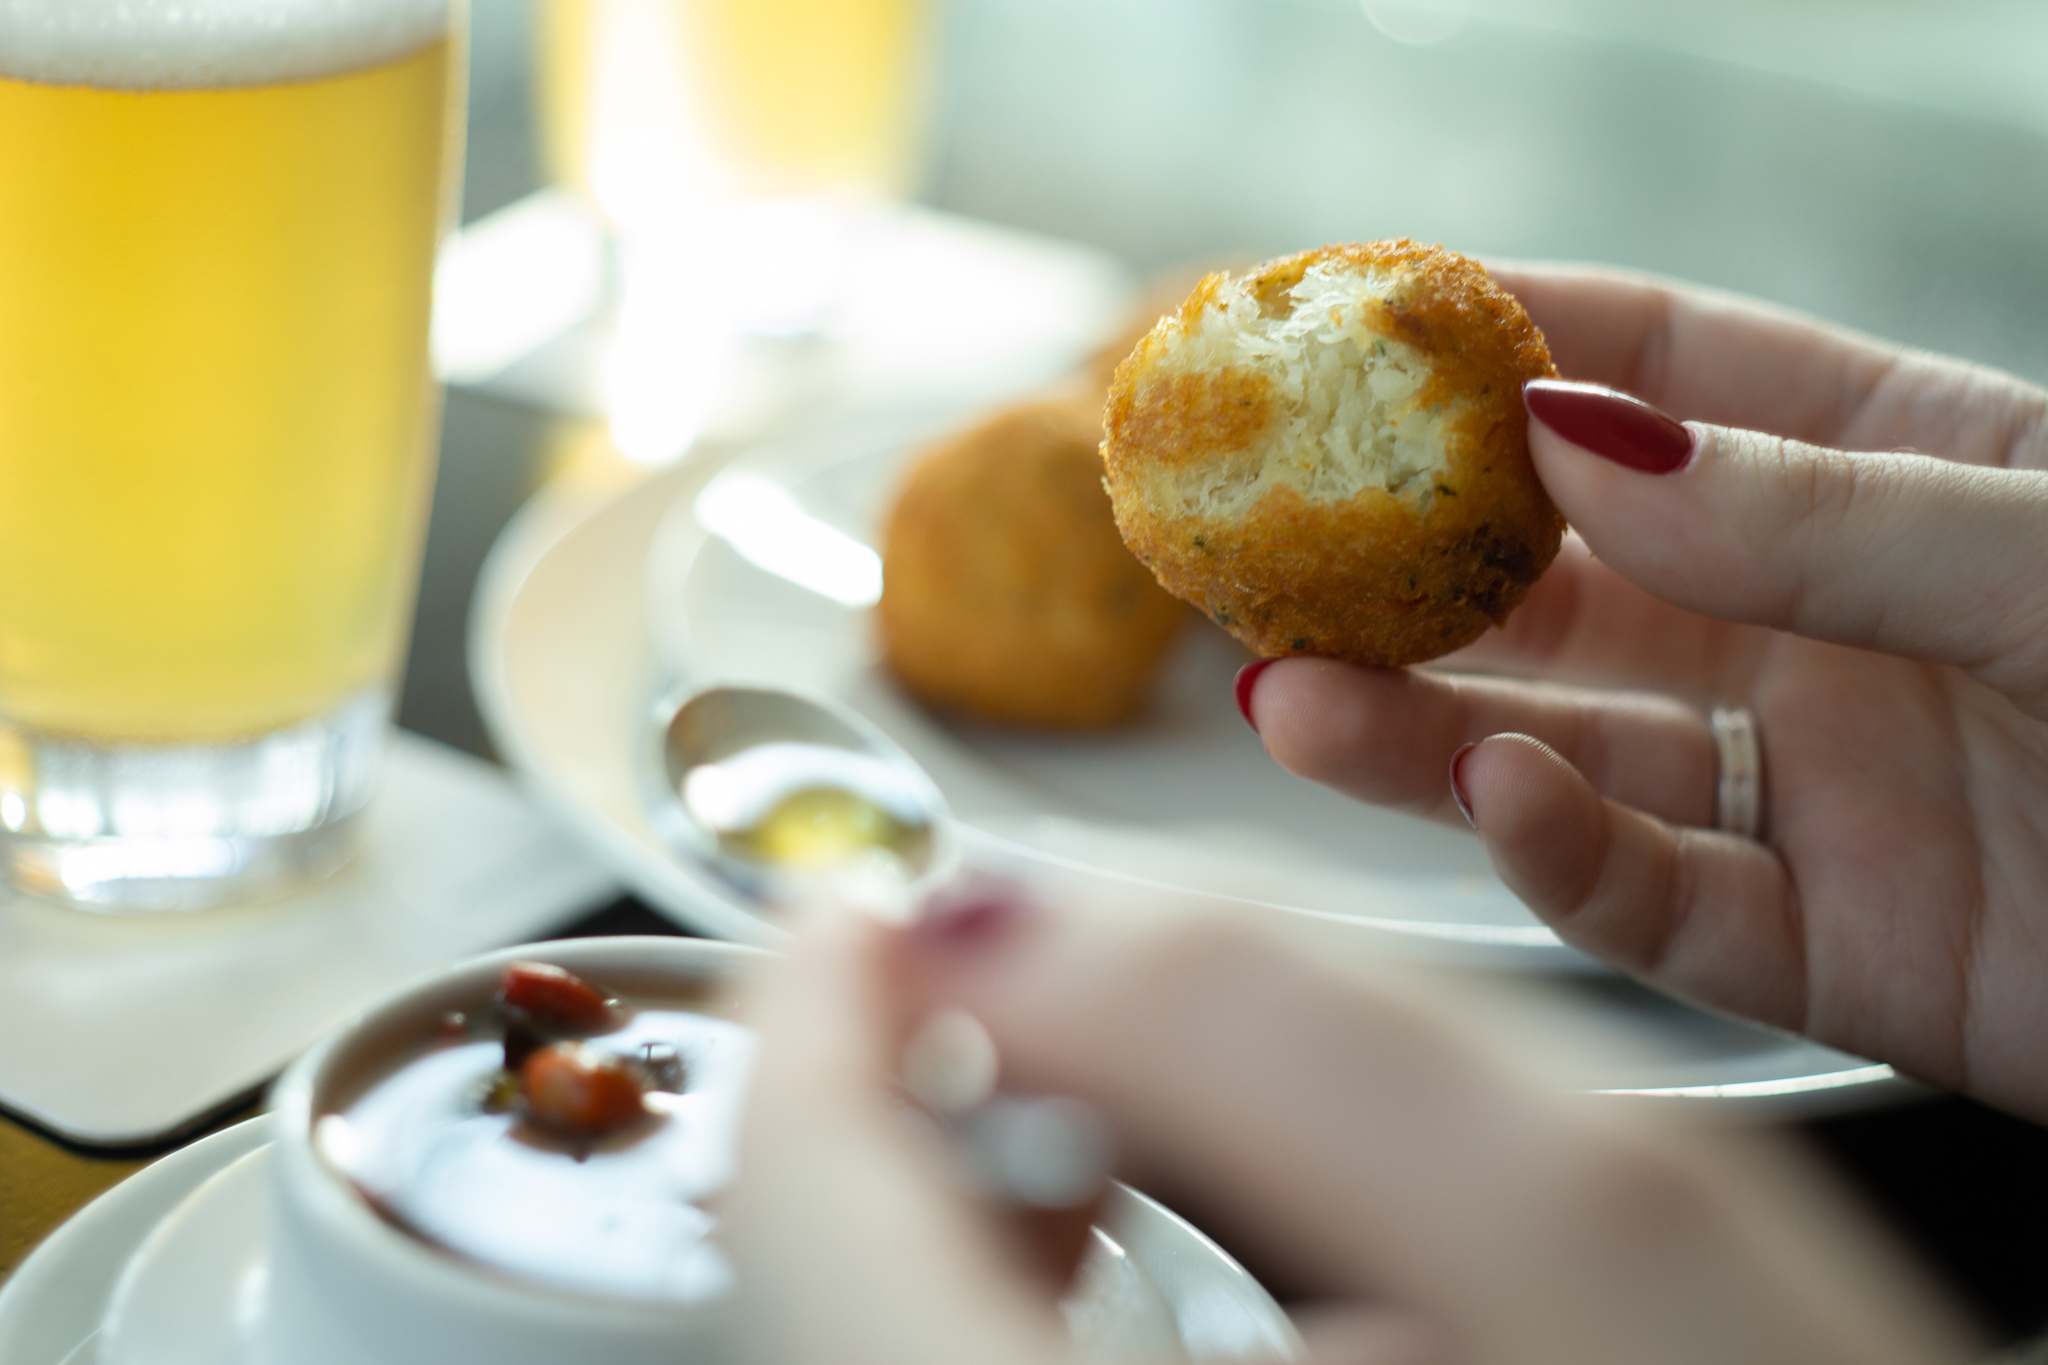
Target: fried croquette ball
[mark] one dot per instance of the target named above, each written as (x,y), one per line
(1006,593)
(1329,455)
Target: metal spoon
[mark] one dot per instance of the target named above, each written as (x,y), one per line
(736,763)
(778,793)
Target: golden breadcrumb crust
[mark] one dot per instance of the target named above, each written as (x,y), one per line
(1376,578)
(1006,592)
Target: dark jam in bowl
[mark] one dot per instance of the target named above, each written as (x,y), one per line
(436,1139)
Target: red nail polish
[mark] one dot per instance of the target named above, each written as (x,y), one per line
(971,913)
(1247,679)
(1612,425)
(1458,784)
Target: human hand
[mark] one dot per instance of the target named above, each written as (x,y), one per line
(1352,1144)
(852,1240)
(1884,616)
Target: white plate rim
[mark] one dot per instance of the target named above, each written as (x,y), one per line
(52,1305)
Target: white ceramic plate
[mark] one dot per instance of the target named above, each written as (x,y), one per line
(1186,798)
(167,1267)
(565,666)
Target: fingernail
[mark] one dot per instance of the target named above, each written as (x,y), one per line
(1612,425)
(1247,679)
(971,914)
(1458,784)
(950,1064)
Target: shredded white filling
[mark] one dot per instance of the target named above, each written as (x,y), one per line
(1347,416)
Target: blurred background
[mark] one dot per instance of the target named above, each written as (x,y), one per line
(1881,163)
(1877,161)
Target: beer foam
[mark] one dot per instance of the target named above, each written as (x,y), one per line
(197,44)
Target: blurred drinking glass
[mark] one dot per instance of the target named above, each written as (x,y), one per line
(647,101)
(741,152)
(218,221)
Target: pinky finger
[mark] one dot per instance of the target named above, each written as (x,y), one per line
(1708,916)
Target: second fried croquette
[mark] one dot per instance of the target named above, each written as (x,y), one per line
(1007,594)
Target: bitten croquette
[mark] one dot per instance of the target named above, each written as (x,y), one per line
(1329,456)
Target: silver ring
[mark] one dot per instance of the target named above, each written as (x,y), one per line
(1738,771)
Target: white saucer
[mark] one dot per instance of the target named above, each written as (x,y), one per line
(127,1030)
(195,1290)
(168,1269)
(52,1305)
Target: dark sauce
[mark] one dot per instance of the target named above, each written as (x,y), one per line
(423,1123)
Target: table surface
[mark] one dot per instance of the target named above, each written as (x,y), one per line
(1966,1186)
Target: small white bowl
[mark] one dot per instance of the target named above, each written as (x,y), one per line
(349,1288)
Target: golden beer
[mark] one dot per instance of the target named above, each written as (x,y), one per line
(214,396)
(218,222)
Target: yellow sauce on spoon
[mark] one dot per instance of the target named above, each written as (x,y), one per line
(816,827)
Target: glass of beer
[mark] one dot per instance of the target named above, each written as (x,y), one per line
(218,221)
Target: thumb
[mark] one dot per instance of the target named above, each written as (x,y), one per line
(1903,553)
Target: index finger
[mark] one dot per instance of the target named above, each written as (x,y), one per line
(1710,356)
(1698,353)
